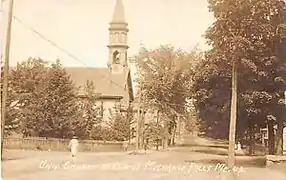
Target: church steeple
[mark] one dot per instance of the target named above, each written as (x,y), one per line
(118,14)
(118,31)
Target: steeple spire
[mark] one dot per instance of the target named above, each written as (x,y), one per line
(118,14)
(118,33)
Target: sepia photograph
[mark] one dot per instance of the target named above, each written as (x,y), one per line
(143,89)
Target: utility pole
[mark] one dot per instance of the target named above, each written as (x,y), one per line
(232,125)
(6,71)
(138,122)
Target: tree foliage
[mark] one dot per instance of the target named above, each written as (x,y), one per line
(164,80)
(244,31)
(25,86)
(59,103)
(120,125)
(163,77)
(153,132)
(42,98)
(89,110)
(43,101)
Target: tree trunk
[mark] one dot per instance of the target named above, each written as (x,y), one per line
(142,129)
(157,124)
(279,137)
(157,144)
(174,134)
(282,54)
(271,138)
(251,139)
(166,134)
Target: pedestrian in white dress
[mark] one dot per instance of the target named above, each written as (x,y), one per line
(73,145)
(238,146)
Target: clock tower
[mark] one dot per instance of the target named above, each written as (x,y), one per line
(118,47)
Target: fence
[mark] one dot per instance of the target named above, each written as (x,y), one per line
(52,144)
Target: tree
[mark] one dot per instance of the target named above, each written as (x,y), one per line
(58,104)
(120,125)
(25,84)
(243,33)
(211,93)
(153,133)
(281,77)
(191,121)
(164,80)
(12,124)
(44,99)
(90,112)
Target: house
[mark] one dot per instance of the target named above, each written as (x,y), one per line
(113,83)
(264,134)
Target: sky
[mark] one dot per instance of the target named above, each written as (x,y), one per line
(80,27)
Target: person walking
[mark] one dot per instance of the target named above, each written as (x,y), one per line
(73,145)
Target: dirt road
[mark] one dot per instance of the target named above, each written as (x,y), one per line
(170,165)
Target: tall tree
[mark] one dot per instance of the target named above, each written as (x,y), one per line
(43,98)
(244,33)
(280,78)
(120,127)
(163,78)
(58,106)
(90,112)
(25,84)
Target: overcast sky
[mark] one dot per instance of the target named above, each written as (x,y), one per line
(81,27)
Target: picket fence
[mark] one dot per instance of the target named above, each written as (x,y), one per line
(52,144)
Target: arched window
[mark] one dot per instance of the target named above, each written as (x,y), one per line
(116,59)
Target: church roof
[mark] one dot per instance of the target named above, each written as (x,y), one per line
(105,83)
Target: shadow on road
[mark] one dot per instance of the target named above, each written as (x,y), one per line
(214,151)
(222,146)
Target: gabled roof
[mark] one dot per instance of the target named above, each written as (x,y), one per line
(105,83)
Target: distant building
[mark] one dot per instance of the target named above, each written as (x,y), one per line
(264,134)
(113,83)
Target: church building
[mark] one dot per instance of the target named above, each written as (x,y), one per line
(113,84)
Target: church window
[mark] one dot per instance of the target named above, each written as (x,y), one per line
(117,106)
(125,57)
(116,59)
(101,109)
